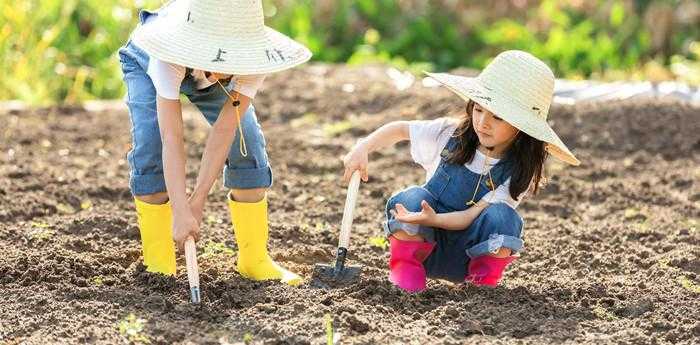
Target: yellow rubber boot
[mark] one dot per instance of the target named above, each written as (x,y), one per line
(155,225)
(251,231)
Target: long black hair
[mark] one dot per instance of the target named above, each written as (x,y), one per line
(525,155)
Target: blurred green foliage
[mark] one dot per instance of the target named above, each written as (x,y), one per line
(65,51)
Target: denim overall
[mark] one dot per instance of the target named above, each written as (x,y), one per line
(145,158)
(449,190)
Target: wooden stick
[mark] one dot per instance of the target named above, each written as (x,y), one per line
(192,269)
(349,210)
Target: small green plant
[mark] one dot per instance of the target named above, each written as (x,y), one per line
(634,213)
(65,208)
(308,119)
(86,204)
(212,249)
(211,219)
(132,328)
(688,284)
(328,320)
(40,234)
(337,128)
(97,280)
(379,242)
(247,338)
(320,226)
(40,225)
(603,313)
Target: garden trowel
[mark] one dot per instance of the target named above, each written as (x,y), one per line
(338,272)
(192,270)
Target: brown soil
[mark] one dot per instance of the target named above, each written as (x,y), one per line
(613,248)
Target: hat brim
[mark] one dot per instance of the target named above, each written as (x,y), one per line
(516,115)
(260,52)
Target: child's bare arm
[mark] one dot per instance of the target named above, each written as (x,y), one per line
(171,133)
(458,220)
(218,144)
(385,136)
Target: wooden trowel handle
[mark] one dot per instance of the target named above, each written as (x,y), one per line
(350,200)
(192,267)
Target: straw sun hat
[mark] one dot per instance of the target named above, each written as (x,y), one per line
(223,36)
(517,87)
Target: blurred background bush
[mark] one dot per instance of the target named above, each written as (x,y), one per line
(65,51)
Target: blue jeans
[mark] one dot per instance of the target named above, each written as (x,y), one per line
(145,158)
(497,226)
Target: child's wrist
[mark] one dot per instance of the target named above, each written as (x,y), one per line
(364,144)
(434,221)
(198,196)
(180,206)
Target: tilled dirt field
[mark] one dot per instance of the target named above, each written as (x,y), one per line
(612,247)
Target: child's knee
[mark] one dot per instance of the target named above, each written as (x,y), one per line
(405,236)
(497,232)
(248,195)
(154,199)
(502,218)
(411,198)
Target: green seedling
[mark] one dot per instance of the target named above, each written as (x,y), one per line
(603,313)
(212,249)
(379,242)
(40,234)
(688,284)
(307,119)
(86,205)
(65,208)
(336,128)
(132,328)
(328,320)
(213,220)
(97,280)
(247,338)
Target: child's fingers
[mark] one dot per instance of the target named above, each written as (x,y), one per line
(400,209)
(426,206)
(346,175)
(365,174)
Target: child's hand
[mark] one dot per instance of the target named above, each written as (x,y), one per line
(197,208)
(356,159)
(184,225)
(426,216)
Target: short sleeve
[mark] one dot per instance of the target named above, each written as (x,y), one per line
(248,85)
(166,78)
(502,194)
(428,137)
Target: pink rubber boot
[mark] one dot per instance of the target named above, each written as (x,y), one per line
(406,263)
(487,270)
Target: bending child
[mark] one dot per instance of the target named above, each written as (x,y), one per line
(217,54)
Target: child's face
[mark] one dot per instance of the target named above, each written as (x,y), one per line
(493,132)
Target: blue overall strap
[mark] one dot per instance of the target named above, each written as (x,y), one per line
(450,147)
(502,171)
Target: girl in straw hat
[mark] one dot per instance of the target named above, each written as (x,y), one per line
(216,53)
(462,224)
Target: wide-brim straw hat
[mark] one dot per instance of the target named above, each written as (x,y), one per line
(223,36)
(517,87)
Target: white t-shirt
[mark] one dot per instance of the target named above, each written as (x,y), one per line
(167,77)
(428,139)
